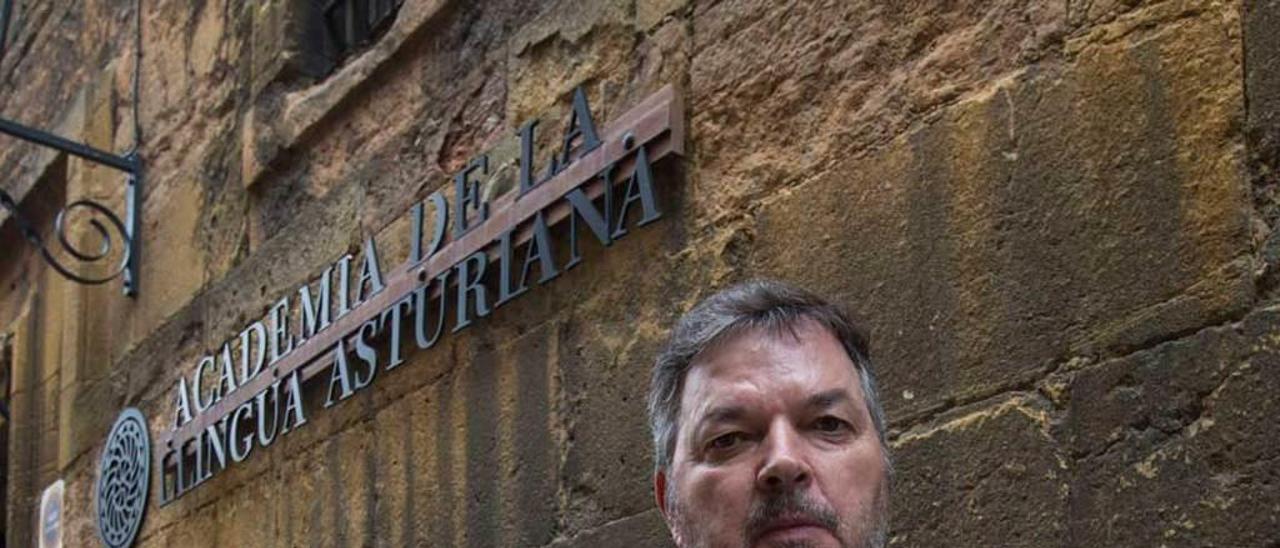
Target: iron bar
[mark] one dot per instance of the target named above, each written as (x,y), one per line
(128,164)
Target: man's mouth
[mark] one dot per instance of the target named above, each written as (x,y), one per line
(792,528)
(790,518)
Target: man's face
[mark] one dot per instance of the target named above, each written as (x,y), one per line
(775,448)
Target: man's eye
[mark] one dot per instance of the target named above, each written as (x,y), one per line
(830,424)
(725,441)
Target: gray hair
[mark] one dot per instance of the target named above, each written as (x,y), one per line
(759,304)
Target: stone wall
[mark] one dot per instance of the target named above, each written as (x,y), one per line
(1055,218)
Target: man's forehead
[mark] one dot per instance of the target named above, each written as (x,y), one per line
(805,346)
(753,363)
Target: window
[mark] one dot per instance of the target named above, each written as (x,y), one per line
(353,24)
(6,13)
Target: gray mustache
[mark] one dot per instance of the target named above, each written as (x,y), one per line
(789,505)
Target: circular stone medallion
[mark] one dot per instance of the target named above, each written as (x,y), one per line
(123,477)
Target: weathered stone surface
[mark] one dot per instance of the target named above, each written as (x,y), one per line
(662,57)
(167,354)
(279,265)
(199,529)
(649,13)
(23,428)
(645,529)
(477,453)
(251,510)
(567,45)
(47,343)
(1262,59)
(1262,91)
(42,36)
(78,529)
(510,440)
(1082,13)
(1039,207)
(22,483)
(412,484)
(206,41)
(533,440)
(1178,443)
(988,476)
(175,268)
(605,348)
(223,232)
(85,337)
(1005,236)
(780,91)
(166,79)
(330,498)
(270,39)
(400,483)
(80,432)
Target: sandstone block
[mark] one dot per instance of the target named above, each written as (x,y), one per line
(1173,442)
(649,13)
(606,347)
(331,497)
(570,44)
(984,475)
(1060,214)
(247,516)
(401,483)
(206,41)
(83,424)
(782,91)
(644,529)
(79,520)
(300,246)
(172,269)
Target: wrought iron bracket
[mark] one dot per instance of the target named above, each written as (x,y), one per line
(131,165)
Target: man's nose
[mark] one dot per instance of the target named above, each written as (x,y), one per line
(786,466)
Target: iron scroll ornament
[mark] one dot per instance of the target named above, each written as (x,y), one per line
(60,229)
(123,479)
(130,163)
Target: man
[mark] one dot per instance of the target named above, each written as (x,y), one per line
(766,427)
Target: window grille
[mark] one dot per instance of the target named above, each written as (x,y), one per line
(6,13)
(354,24)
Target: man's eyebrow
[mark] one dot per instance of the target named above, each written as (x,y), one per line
(829,399)
(724,413)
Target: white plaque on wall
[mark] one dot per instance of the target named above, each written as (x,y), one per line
(51,516)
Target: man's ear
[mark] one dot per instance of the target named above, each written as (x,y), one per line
(660,491)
